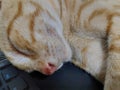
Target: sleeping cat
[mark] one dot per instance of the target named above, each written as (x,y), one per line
(33,36)
(43,34)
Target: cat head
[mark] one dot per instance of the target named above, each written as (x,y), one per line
(34,36)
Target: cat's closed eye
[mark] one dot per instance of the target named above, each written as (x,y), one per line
(35,38)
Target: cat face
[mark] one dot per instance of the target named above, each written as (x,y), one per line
(36,39)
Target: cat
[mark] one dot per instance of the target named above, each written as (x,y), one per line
(33,36)
(43,34)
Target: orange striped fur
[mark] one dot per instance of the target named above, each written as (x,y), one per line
(86,32)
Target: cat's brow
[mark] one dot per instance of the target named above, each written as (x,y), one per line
(82,7)
(16,16)
(32,19)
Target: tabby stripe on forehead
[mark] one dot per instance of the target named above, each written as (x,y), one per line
(73,6)
(32,19)
(60,3)
(19,12)
(66,3)
(114,48)
(117,6)
(0,4)
(96,13)
(110,23)
(116,38)
(81,8)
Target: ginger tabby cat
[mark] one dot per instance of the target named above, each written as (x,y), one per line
(43,34)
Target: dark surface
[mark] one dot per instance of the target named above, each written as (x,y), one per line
(14,79)
(69,77)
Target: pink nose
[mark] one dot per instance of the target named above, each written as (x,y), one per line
(49,69)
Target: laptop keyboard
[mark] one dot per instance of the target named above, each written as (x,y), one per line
(14,79)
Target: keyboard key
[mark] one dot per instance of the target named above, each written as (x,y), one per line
(0,83)
(2,58)
(2,89)
(1,54)
(6,88)
(9,73)
(4,63)
(17,84)
(0,80)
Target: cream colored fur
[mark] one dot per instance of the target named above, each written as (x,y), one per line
(95,44)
